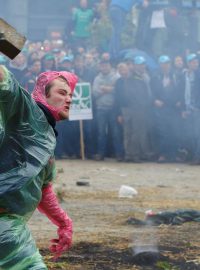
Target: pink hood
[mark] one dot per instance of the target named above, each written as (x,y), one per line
(45,78)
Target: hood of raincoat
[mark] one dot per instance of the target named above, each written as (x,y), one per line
(43,80)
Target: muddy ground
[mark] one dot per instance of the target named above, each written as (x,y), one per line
(103,239)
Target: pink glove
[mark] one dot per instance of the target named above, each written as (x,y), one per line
(49,205)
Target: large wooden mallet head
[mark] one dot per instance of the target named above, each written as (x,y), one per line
(11,42)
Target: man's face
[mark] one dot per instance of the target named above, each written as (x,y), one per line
(130,65)
(165,67)
(140,68)
(89,59)
(49,64)
(36,67)
(66,65)
(178,62)
(123,70)
(60,97)
(194,64)
(83,3)
(105,68)
(79,63)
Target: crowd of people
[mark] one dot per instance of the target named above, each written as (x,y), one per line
(144,108)
(140,113)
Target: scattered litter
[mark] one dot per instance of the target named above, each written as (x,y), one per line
(149,212)
(123,175)
(83,182)
(162,186)
(127,192)
(147,257)
(104,169)
(135,221)
(179,170)
(168,217)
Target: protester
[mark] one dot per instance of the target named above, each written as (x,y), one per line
(135,104)
(167,109)
(18,66)
(27,142)
(191,108)
(106,117)
(48,62)
(29,79)
(82,18)
(118,11)
(66,63)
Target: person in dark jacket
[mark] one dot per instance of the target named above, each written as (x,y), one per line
(167,108)
(135,106)
(191,108)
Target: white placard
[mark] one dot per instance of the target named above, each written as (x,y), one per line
(158,19)
(81,107)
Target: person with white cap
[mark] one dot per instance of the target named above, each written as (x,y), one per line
(27,143)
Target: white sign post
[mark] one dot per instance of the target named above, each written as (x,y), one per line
(81,109)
